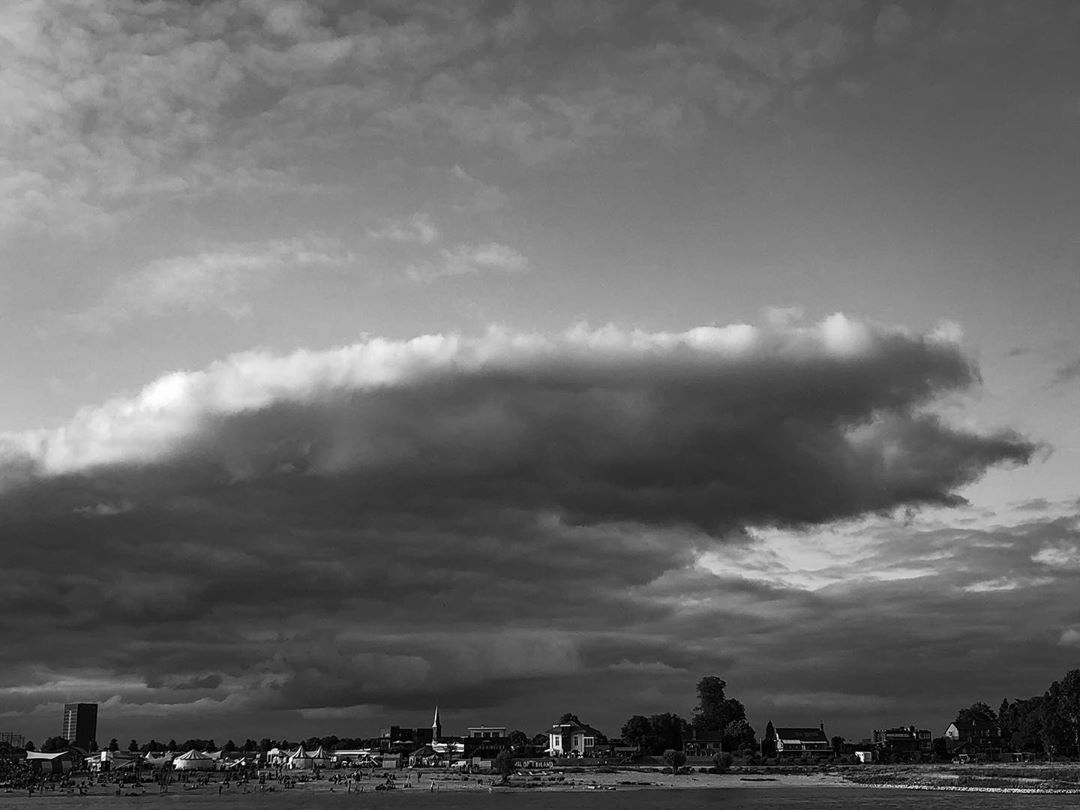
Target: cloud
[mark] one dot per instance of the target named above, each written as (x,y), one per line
(418,228)
(471,519)
(891,26)
(209,281)
(468,260)
(1067,373)
(113,106)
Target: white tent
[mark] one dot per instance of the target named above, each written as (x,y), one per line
(164,760)
(194,761)
(320,757)
(300,760)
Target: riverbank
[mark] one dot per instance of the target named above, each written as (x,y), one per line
(943,778)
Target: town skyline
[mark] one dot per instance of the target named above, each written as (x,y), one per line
(536,356)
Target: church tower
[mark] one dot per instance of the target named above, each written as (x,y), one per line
(436,727)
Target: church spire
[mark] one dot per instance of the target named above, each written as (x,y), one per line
(436,727)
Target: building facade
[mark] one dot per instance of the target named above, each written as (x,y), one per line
(905,743)
(80,724)
(570,739)
(792,742)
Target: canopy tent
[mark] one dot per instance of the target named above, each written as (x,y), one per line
(320,757)
(194,761)
(300,760)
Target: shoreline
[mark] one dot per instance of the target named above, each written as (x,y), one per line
(560,782)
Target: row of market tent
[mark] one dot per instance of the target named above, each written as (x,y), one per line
(298,759)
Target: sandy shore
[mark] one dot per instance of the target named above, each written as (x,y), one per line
(415,782)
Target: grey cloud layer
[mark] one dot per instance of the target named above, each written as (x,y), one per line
(300,532)
(114,103)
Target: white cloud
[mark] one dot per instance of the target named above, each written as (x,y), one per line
(1062,556)
(418,229)
(209,281)
(470,259)
(1070,637)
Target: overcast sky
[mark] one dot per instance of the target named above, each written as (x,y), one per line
(527,358)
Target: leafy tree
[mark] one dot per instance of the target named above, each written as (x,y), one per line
(229,747)
(668,731)
(171,746)
(1069,707)
(265,744)
(837,745)
(114,745)
(675,758)
(976,713)
(768,745)
(716,712)
(93,746)
(151,745)
(133,746)
(739,736)
(30,746)
(504,765)
(250,745)
(54,745)
(518,740)
(540,740)
(570,718)
(722,761)
(638,731)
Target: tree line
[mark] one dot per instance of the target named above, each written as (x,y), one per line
(716,717)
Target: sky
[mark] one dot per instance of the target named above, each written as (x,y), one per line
(524,358)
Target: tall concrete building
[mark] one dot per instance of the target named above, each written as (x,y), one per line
(80,724)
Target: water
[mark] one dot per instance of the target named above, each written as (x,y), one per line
(823,798)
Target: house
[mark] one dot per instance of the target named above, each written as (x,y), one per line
(791,742)
(904,743)
(573,738)
(978,738)
(700,746)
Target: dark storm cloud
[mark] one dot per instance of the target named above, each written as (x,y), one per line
(381,524)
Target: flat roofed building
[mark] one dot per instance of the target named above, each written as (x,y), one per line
(80,724)
(487,732)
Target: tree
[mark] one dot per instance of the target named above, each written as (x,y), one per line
(676,759)
(171,746)
(229,747)
(54,745)
(739,736)
(133,746)
(975,714)
(667,730)
(837,745)
(638,731)
(504,765)
(265,744)
(114,745)
(1069,707)
(518,740)
(30,746)
(768,744)
(570,718)
(716,712)
(540,740)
